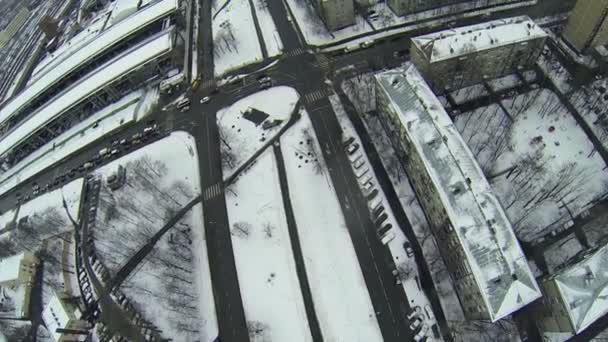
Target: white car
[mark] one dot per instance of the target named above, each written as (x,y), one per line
(367,44)
(205,99)
(422,333)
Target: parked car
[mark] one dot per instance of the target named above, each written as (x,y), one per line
(415,324)
(408,249)
(352,148)
(422,333)
(367,44)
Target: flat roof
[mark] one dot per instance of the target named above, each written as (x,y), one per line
(55,316)
(85,51)
(497,262)
(9,267)
(584,289)
(147,51)
(467,39)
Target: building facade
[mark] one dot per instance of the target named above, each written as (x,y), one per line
(336,14)
(575,296)
(460,57)
(587,26)
(489,271)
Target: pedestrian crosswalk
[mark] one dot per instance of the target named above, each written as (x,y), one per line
(208,84)
(315,96)
(296,52)
(212,191)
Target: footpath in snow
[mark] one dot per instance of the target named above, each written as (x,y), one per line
(270,289)
(339,292)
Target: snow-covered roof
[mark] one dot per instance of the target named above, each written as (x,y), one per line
(56,316)
(9,267)
(84,50)
(147,51)
(122,9)
(584,289)
(467,39)
(497,263)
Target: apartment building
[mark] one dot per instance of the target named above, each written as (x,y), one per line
(336,14)
(587,26)
(403,7)
(17,273)
(488,269)
(575,296)
(456,58)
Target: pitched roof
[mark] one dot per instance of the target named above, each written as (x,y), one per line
(497,263)
(464,40)
(584,289)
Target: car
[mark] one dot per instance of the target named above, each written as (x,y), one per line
(205,99)
(349,49)
(380,219)
(408,249)
(388,237)
(366,44)
(124,142)
(422,333)
(377,211)
(416,311)
(88,165)
(352,148)
(384,229)
(185,109)
(415,324)
(348,141)
(429,312)
(264,79)
(184,102)
(114,152)
(266,85)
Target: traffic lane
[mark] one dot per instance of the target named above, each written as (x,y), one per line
(226,289)
(380,283)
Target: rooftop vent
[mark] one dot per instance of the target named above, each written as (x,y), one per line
(514,276)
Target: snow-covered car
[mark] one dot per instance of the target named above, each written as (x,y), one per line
(422,333)
(415,324)
(367,44)
(408,249)
(352,148)
(205,99)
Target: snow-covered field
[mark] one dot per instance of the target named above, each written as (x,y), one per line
(235,41)
(274,45)
(172,286)
(339,293)
(557,170)
(265,264)
(240,137)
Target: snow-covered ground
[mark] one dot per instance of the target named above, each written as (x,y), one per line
(274,45)
(562,251)
(14,330)
(160,179)
(339,292)
(557,170)
(81,135)
(557,73)
(265,264)
(41,218)
(382,18)
(406,266)
(235,42)
(240,137)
